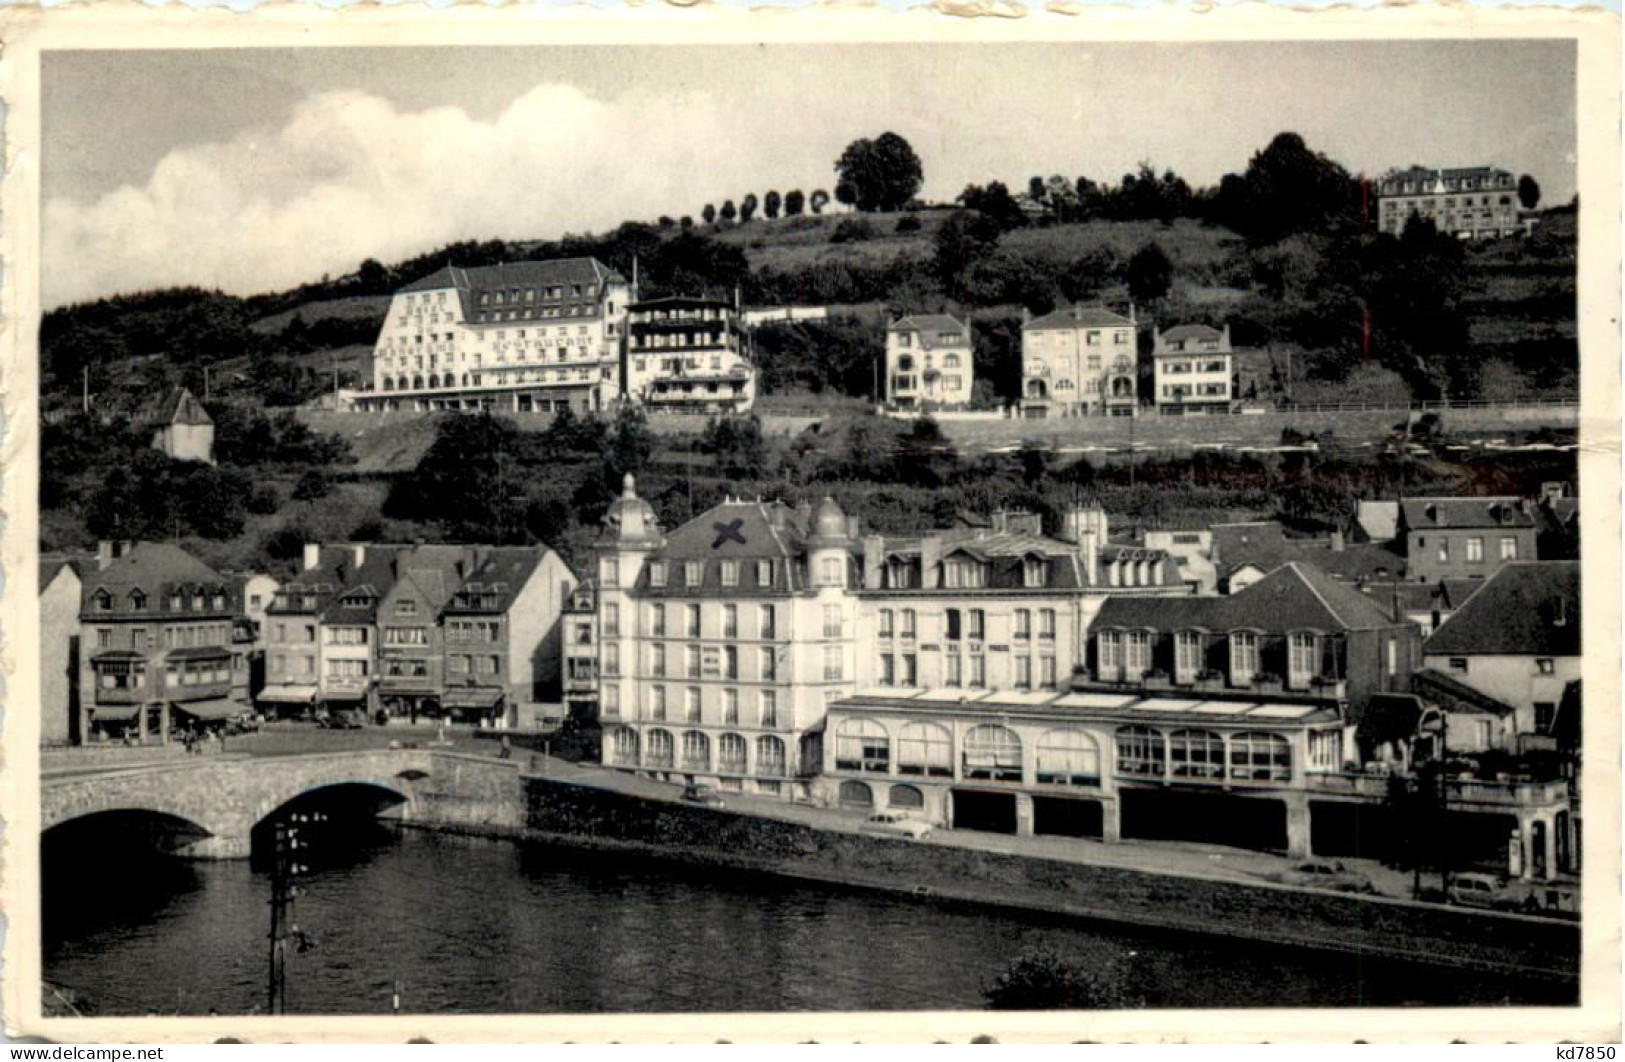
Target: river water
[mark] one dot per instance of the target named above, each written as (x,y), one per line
(479,926)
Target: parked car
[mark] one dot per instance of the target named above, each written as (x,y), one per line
(1494,892)
(243,723)
(702,794)
(339,721)
(896,824)
(1326,874)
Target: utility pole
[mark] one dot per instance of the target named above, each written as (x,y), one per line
(285,867)
(85,389)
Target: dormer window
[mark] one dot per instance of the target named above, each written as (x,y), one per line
(219,602)
(1303,658)
(1188,652)
(1243,657)
(406,607)
(197,602)
(964,573)
(764,573)
(138,601)
(103,601)
(1034,572)
(693,571)
(174,602)
(657,573)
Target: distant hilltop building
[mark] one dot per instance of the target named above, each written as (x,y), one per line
(182,428)
(1473,203)
(689,355)
(521,337)
(1079,361)
(929,362)
(542,337)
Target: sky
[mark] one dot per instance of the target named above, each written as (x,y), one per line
(254,170)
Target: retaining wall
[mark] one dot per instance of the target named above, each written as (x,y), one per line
(1277,914)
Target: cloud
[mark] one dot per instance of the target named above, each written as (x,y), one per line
(349,176)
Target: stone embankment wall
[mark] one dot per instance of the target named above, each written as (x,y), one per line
(467,790)
(582,816)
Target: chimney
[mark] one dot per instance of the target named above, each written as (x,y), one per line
(358,553)
(874,560)
(313,555)
(1132,318)
(854,527)
(1224,343)
(1337,541)
(930,561)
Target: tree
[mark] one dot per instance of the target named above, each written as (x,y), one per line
(965,237)
(373,276)
(685,222)
(1043,979)
(666,222)
(747,208)
(771,203)
(737,445)
(709,214)
(879,174)
(994,202)
(794,203)
(729,211)
(313,485)
(1288,189)
(1528,192)
(1035,187)
(469,481)
(818,201)
(1150,274)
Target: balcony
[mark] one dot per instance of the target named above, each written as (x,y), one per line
(121,695)
(1473,793)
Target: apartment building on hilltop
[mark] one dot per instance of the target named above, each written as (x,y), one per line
(689,355)
(1079,361)
(1193,370)
(1471,203)
(929,362)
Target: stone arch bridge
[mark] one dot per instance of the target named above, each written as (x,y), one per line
(224,799)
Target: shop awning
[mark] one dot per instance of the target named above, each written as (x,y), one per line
(218,708)
(345,696)
(107,656)
(115,713)
(471,697)
(199,652)
(287,694)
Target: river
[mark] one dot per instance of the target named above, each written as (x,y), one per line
(480,926)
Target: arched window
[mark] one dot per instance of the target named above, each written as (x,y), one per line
(696,751)
(402,383)
(659,750)
(624,746)
(905,796)
(993,752)
(1068,756)
(731,754)
(950,361)
(1260,758)
(856,795)
(925,748)
(1140,750)
(862,745)
(1196,754)
(465,379)
(417,382)
(389,383)
(434,380)
(769,755)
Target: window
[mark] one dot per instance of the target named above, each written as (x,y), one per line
(1136,654)
(832,621)
(612,659)
(612,620)
(963,574)
(691,704)
(764,573)
(1301,659)
(1458,663)
(730,662)
(696,751)
(1509,548)
(954,670)
(830,572)
(976,624)
(657,702)
(1475,550)
(1024,624)
(691,661)
(691,625)
(104,638)
(1034,572)
(624,747)
(611,571)
(1187,655)
(770,708)
(886,617)
(925,749)
(1545,665)
(1260,757)
(730,573)
(1046,672)
(765,624)
(1196,754)
(731,754)
(910,673)
(1109,656)
(138,601)
(992,752)
(888,669)
(1545,716)
(1444,551)
(1140,750)
(832,663)
(657,573)
(1325,750)
(1068,756)
(768,665)
(657,620)
(730,708)
(612,701)
(769,755)
(951,624)
(978,672)
(406,607)
(1243,657)
(862,745)
(1024,672)
(730,621)
(908,623)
